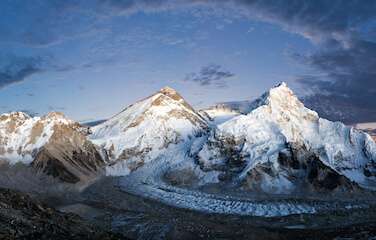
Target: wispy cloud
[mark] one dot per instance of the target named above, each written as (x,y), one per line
(210,75)
(17,69)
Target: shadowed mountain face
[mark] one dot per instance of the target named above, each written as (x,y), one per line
(69,156)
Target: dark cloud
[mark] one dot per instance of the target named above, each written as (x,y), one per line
(345,62)
(51,22)
(17,69)
(310,18)
(349,81)
(318,20)
(212,75)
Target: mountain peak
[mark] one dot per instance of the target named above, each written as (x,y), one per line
(280,95)
(167,89)
(281,84)
(282,92)
(172,93)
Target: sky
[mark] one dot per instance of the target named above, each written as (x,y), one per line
(91,58)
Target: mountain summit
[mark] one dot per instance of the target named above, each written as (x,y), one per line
(145,130)
(280,145)
(172,93)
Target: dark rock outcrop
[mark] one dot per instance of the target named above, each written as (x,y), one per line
(22,217)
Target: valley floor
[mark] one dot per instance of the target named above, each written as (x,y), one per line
(145,205)
(105,204)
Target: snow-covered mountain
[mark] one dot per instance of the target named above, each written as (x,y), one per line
(275,144)
(52,144)
(280,145)
(161,124)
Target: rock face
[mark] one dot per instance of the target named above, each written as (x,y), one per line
(281,145)
(69,156)
(52,144)
(162,123)
(21,217)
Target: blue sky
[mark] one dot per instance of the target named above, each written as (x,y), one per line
(90,59)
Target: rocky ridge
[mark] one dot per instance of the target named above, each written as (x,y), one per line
(52,144)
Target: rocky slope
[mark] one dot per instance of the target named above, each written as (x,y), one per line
(163,123)
(52,144)
(22,217)
(281,145)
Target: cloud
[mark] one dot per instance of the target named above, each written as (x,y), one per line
(344,64)
(52,22)
(210,75)
(17,69)
(349,80)
(342,30)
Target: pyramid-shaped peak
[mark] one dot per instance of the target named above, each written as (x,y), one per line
(168,89)
(283,98)
(280,90)
(280,95)
(172,93)
(281,84)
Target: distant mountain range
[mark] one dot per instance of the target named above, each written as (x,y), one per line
(273,144)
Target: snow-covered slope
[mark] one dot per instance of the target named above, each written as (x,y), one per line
(26,139)
(220,115)
(163,123)
(369,127)
(240,107)
(281,143)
